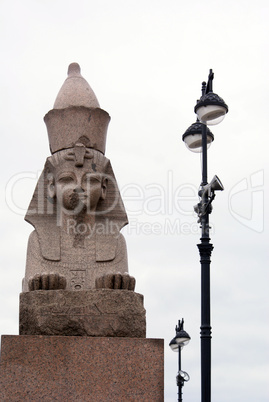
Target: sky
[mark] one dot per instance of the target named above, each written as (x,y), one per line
(145,61)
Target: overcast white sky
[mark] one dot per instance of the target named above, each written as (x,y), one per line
(146,60)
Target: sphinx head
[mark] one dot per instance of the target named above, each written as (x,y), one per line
(77,180)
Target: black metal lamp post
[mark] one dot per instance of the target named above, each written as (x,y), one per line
(181,339)
(211,110)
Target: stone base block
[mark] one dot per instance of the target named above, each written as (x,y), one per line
(81,369)
(97,312)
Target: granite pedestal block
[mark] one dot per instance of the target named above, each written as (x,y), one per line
(95,312)
(81,369)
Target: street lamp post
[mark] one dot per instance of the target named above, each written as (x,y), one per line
(210,110)
(181,339)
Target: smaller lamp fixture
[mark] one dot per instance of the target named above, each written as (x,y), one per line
(193,137)
(182,377)
(211,108)
(181,339)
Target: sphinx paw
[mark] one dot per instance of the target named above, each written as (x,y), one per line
(47,281)
(115,281)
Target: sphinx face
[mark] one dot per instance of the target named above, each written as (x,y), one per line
(78,189)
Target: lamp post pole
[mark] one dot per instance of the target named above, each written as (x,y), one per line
(210,110)
(205,249)
(179,382)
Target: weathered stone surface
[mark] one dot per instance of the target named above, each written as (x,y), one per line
(102,312)
(81,369)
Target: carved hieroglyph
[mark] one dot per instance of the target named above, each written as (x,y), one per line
(76,209)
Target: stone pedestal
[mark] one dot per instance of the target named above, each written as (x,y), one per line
(80,369)
(96,312)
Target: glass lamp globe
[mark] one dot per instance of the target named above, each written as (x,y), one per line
(211,114)
(211,109)
(193,137)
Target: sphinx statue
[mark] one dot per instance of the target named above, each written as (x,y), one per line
(77,212)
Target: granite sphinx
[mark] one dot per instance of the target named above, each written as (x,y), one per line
(76,255)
